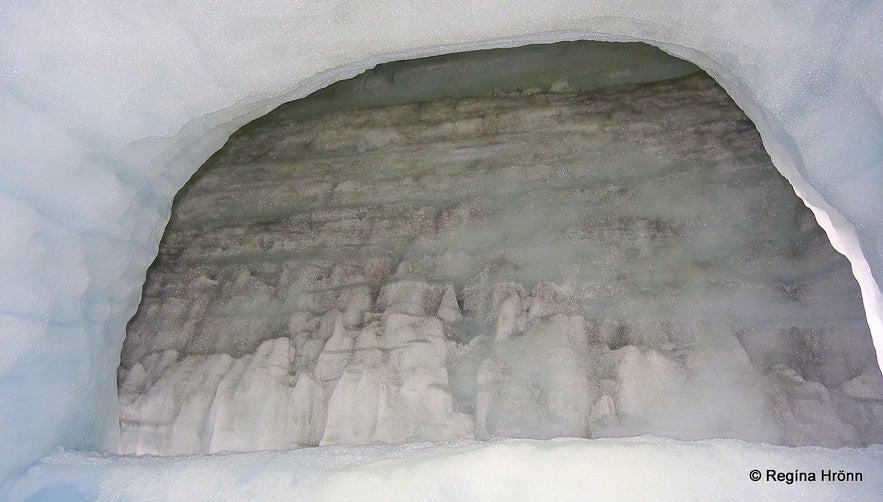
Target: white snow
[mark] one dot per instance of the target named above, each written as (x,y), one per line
(643,468)
(107,108)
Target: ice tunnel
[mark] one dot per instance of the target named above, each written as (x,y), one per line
(107,111)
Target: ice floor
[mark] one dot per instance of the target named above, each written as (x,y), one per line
(642,468)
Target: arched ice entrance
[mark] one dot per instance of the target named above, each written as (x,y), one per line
(110,138)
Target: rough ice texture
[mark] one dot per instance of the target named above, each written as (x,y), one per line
(108,108)
(644,468)
(538,264)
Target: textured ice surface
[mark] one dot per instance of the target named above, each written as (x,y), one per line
(537,264)
(644,468)
(108,108)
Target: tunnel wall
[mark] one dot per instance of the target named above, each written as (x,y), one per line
(108,109)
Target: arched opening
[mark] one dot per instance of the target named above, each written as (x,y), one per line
(108,137)
(584,239)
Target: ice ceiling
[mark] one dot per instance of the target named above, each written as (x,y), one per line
(108,108)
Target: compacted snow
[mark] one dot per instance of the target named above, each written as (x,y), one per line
(644,468)
(108,108)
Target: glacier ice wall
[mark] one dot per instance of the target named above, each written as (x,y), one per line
(108,108)
(538,263)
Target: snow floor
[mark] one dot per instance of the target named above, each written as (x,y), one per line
(639,468)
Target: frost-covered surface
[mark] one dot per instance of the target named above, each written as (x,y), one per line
(644,468)
(108,108)
(537,264)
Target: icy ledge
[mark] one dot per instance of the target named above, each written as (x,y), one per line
(643,468)
(106,110)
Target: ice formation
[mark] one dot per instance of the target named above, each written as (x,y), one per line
(543,263)
(109,108)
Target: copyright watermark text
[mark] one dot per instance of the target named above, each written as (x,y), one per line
(795,476)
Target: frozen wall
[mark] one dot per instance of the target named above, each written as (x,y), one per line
(541,263)
(107,108)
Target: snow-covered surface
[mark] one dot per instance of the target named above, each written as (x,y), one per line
(107,108)
(644,468)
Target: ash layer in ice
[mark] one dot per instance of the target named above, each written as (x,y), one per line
(535,264)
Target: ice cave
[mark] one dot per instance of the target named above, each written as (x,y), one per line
(472,251)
